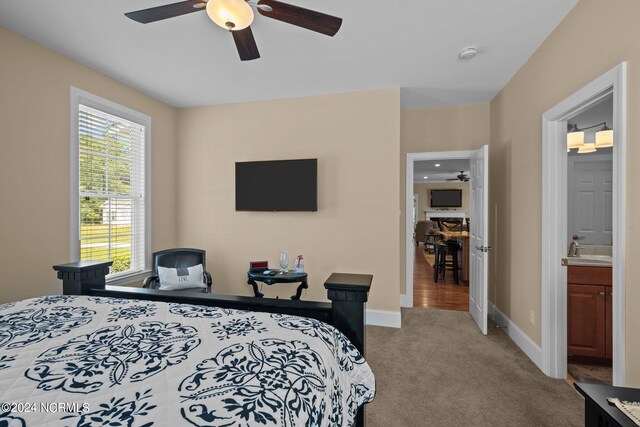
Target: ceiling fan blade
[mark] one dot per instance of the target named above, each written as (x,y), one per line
(246,44)
(305,18)
(166,11)
(452,179)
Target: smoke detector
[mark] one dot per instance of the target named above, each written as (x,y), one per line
(468,53)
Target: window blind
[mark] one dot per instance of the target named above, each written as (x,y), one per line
(111,190)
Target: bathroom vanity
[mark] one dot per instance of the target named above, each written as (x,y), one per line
(589,320)
(589,303)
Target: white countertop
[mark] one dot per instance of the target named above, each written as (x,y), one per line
(590,256)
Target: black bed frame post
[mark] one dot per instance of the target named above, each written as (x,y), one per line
(348,294)
(78,278)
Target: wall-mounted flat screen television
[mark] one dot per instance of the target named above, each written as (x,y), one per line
(446,198)
(277,185)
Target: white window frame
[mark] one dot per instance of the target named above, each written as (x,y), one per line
(77,97)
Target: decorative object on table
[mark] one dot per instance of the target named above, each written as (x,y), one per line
(271,276)
(284,261)
(630,409)
(598,411)
(298,264)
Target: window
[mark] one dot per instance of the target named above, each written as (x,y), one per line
(109,185)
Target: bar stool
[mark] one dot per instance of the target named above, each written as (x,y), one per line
(446,258)
(430,241)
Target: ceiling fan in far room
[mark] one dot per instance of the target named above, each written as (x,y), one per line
(461,177)
(237,16)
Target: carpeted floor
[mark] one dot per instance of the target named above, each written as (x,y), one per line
(439,370)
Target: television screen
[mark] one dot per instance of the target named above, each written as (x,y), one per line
(277,185)
(446,198)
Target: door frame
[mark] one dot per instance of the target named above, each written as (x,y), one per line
(406,300)
(554,220)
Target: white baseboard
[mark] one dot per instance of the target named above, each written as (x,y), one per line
(390,319)
(405,301)
(526,344)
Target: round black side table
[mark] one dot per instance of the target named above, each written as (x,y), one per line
(289,277)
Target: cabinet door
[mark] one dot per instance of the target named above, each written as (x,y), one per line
(586,320)
(608,323)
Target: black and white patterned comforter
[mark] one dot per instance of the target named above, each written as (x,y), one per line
(77,360)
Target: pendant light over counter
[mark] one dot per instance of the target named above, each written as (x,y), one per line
(575,138)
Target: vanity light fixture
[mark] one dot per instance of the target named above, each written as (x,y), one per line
(575,138)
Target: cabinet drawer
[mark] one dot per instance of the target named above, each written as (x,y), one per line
(589,275)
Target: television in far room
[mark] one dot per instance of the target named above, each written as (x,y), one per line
(277,185)
(446,198)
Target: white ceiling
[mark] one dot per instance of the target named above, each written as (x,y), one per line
(448,169)
(189,61)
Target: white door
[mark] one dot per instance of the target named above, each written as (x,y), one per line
(478,235)
(590,200)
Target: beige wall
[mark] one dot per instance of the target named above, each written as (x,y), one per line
(564,63)
(34,162)
(454,128)
(355,138)
(424,196)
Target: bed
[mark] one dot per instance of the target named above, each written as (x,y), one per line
(143,357)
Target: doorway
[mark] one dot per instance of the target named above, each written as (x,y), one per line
(589,245)
(443,191)
(477,232)
(555,220)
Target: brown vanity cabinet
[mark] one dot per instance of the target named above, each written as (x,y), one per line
(589,326)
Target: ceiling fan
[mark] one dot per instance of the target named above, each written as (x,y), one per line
(461,177)
(237,16)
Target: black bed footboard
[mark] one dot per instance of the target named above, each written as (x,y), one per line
(348,294)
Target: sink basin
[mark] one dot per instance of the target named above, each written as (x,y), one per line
(589,250)
(588,261)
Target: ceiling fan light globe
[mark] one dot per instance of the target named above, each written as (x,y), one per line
(231,15)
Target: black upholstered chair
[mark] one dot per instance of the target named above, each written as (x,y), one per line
(178,258)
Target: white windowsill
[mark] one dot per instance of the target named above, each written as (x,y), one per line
(128,279)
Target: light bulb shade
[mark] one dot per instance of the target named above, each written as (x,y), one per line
(587,148)
(232,15)
(604,138)
(575,139)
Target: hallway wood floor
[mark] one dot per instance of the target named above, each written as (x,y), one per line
(426,294)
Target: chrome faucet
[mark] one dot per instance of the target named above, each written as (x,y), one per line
(574,247)
(574,250)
